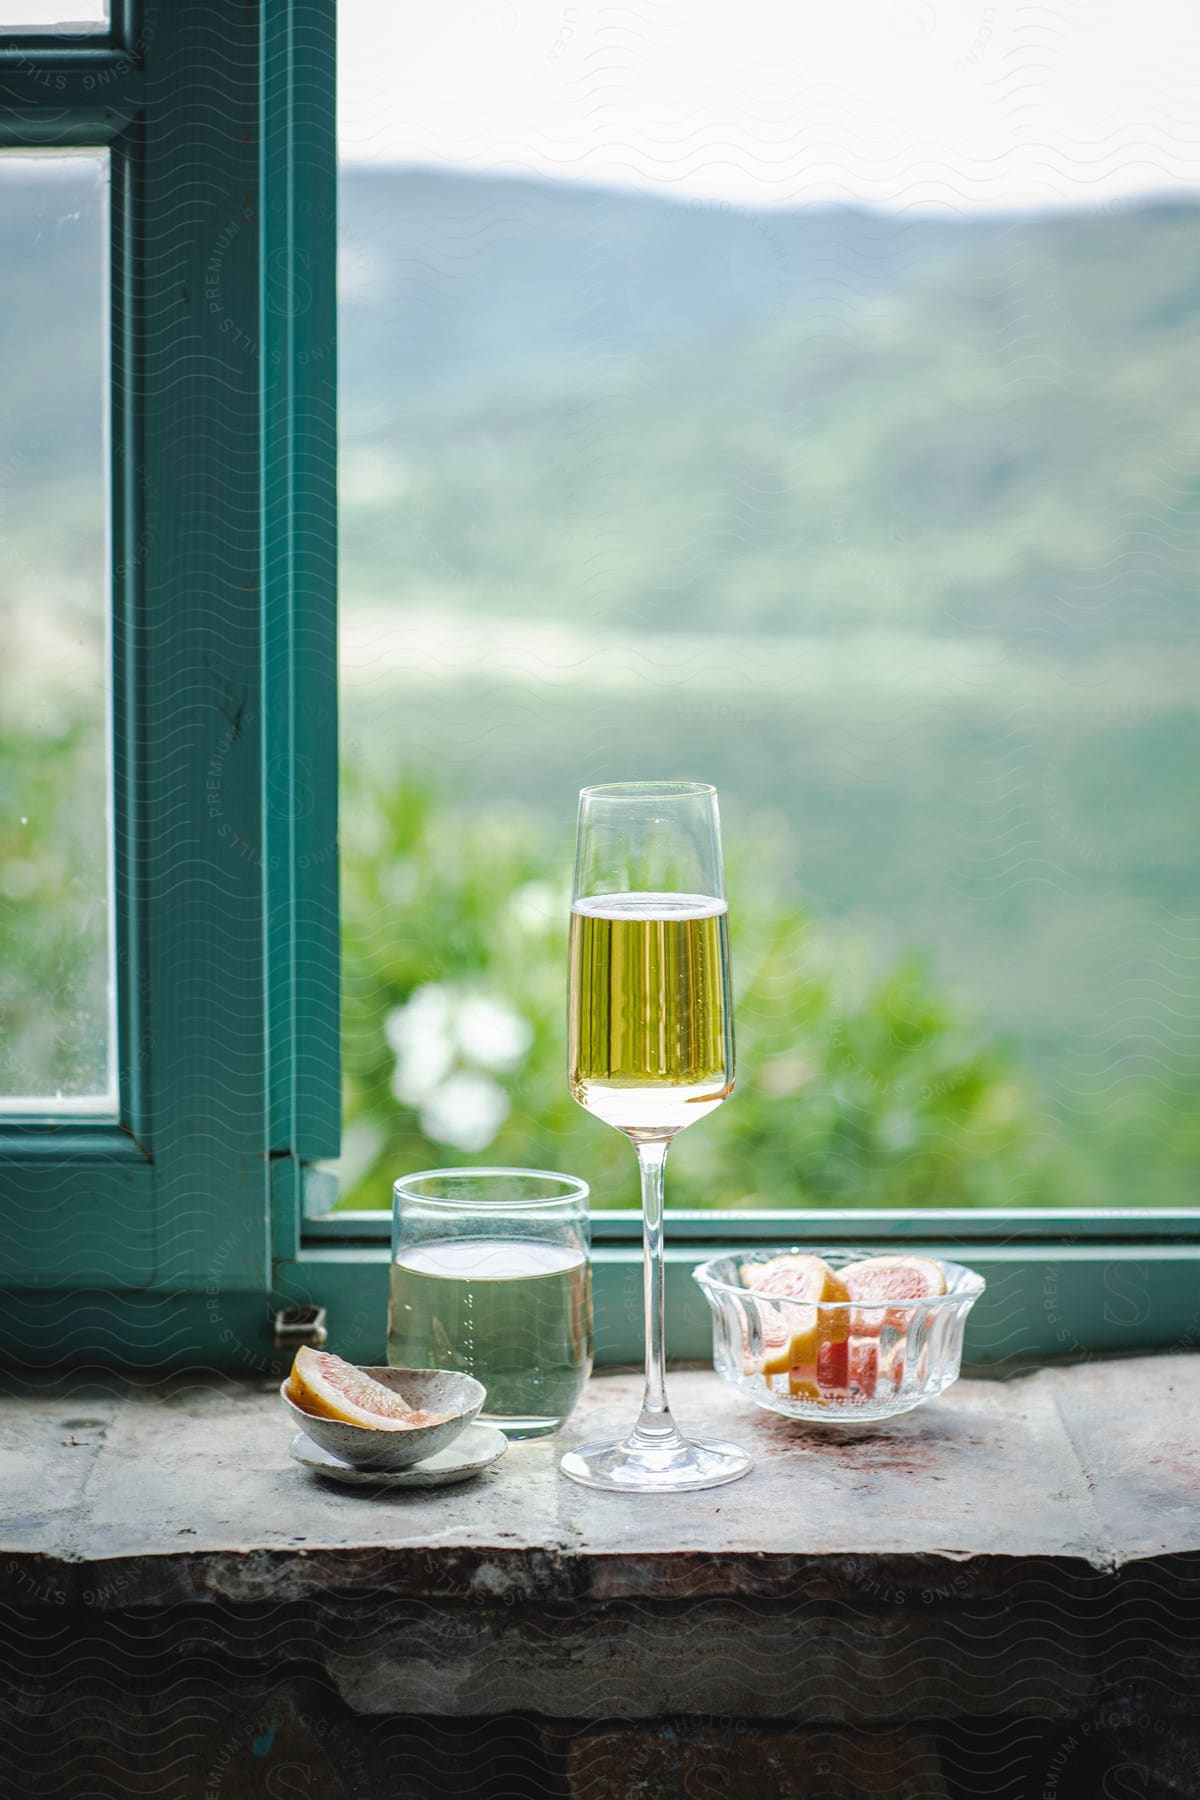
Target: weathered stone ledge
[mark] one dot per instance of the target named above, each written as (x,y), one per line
(156,1493)
(997,1595)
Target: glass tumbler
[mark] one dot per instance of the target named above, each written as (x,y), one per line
(490,1274)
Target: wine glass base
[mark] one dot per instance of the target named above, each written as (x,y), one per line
(679,1467)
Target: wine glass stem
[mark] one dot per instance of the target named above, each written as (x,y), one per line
(655,1422)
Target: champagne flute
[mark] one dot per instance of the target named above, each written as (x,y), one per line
(651,1051)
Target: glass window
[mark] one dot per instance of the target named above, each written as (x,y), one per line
(810,410)
(56,959)
(34,18)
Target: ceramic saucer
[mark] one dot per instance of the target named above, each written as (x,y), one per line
(476,1448)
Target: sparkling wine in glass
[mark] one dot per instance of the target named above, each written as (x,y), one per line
(651,1051)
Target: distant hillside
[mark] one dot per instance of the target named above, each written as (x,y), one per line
(453,282)
(657,415)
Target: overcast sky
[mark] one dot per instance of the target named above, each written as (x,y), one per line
(904,103)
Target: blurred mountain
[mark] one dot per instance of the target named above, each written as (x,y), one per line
(481,281)
(669,415)
(665,415)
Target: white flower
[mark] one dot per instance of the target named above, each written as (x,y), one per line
(421,1036)
(539,906)
(426,1009)
(466,1111)
(362,1141)
(492,1034)
(436,1030)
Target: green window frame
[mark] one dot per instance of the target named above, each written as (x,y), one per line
(171,1236)
(223,673)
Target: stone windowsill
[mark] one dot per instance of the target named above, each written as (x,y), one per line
(991,1596)
(153,1493)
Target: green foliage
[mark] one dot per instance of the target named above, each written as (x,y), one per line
(53,908)
(854,1088)
(857,1086)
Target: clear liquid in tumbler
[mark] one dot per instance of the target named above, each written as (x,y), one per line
(515,1313)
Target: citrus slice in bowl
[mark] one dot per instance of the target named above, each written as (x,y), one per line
(902,1279)
(894,1278)
(775,1338)
(325,1385)
(793,1334)
(799,1276)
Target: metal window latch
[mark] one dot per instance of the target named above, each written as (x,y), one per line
(298,1325)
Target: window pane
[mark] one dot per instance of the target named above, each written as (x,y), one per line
(32,18)
(56,1017)
(839,450)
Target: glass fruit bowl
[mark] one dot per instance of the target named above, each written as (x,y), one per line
(834,1361)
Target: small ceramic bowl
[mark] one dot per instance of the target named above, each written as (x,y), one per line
(431,1390)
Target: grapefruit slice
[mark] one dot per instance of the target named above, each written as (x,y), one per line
(864,1369)
(323,1384)
(792,1273)
(842,1372)
(881,1278)
(894,1278)
(806,1278)
(901,1279)
(775,1332)
(793,1334)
